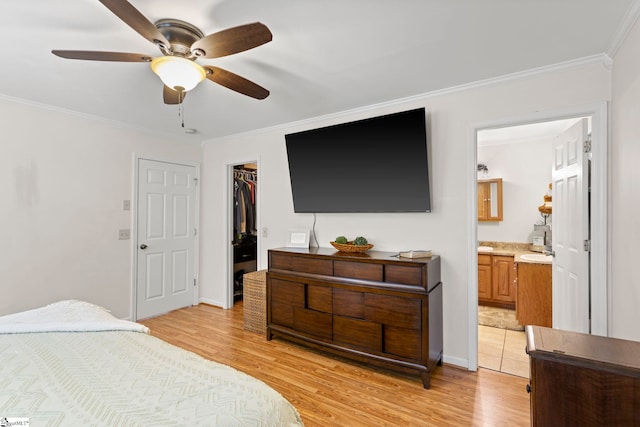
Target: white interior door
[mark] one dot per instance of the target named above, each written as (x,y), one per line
(166,237)
(570,193)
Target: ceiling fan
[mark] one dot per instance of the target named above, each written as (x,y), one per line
(181,44)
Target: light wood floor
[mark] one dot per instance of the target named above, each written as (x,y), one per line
(328,391)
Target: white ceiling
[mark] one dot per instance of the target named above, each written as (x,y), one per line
(524,133)
(326,56)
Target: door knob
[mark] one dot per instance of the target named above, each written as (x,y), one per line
(143,246)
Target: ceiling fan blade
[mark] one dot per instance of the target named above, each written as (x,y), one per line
(172,97)
(91,55)
(233,40)
(136,20)
(235,82)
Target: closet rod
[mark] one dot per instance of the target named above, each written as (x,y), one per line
(245,174)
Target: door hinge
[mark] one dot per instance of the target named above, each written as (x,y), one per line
(194,282)
(586,147)
(195,231)
(587,245)
(195,181)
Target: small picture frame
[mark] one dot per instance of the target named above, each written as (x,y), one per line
(298,238)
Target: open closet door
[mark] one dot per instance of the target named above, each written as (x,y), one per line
(245,235)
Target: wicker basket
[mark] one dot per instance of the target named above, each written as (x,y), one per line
(350,247)
(254,295)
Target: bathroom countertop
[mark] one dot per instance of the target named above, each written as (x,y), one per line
(511,249)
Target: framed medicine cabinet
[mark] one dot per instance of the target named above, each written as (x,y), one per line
(490,199)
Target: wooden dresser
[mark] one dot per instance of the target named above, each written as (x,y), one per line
(582,380)
(373,307)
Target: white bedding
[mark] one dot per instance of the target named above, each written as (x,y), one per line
(66,316)
(120,376)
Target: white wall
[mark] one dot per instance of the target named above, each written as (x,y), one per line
(525,169)
(445,230)
(63,180)
(624,190)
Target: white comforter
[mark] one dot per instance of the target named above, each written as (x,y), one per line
(66,316)
(57,373)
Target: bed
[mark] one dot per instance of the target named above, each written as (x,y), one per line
(73,363)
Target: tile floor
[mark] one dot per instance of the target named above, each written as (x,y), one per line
(503,350)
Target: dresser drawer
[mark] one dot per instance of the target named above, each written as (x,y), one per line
(319,298)
(284,295)
(358,270)
(348,303)
(313,322)
(357,333)
(287,292)
(404,275)
(402,342)
(391,310)
(301,264)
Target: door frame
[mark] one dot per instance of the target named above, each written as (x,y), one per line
(599,270)
(134,229)
(229,300)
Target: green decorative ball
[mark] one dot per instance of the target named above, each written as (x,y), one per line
(341,239)
(360,241)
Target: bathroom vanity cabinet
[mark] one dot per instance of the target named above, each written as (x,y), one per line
(534,289)
(496,281)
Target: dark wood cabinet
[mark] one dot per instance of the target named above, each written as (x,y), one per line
(373,308)
(582,380)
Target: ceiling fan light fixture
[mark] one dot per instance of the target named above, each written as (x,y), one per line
(177,72)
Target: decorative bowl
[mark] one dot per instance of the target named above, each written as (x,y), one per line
(350,247)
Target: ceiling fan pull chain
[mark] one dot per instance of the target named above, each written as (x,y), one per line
(181,111)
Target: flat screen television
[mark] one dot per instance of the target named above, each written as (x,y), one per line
(373,165)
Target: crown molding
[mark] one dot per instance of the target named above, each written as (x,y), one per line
(627,24)
(602,59)
(110,122)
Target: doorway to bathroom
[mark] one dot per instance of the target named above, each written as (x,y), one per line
(522,154)
(520,158)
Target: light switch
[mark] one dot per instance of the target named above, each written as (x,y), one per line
(124,234)
(126,205)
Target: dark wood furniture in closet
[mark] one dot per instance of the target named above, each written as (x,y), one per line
(582,380)
(373,307)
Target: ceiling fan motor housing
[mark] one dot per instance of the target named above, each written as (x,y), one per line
(181,35)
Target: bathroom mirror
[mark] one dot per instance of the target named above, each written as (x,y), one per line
(490,199)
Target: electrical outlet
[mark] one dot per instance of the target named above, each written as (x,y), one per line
(124,234)
(126,205)
(264,232)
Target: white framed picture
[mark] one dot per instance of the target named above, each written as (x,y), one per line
(298,238)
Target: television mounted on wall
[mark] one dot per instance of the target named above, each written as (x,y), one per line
(378,164)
